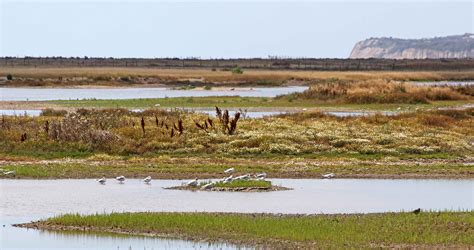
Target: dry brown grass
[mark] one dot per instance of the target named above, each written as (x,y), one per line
(437,118)
(382,91)
(117,132)
(104,75)
(439,121)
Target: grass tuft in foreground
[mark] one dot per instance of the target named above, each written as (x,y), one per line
(427,229)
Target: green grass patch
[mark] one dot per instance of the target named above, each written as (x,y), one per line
(427,229)
(419,140)
(187,87)
(242,102)
(202,169)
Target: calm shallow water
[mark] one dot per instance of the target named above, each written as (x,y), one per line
(358,113)
(44,94)
(20,112)
(248,114)
(20,238)
(260,114)
(26,200)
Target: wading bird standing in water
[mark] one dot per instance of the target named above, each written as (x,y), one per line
(329,175)
(147,180)
(208,186)
(228,179)
(120,179)
(261,176)
(244,177)
(102,180)
(193,183)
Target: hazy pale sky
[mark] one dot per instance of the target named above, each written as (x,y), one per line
(218,29)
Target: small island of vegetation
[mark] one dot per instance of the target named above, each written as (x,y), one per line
(387,230)
(234,186)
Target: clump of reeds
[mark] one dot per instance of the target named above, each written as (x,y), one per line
(228,125)
(180,127)
(23,137)
(142,123)
(46,127)
(177,128)
(207,124)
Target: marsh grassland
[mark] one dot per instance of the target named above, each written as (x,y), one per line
(422,140)
(123,76)
(428,133)
(96,142)
(389,230)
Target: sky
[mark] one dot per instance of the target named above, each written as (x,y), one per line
(218,29)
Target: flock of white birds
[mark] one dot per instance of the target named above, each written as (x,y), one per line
(121,180)
(228,179)
(192,183)
(260,176)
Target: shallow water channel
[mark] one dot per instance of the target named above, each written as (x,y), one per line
(45,94)
(27,200)
(20,112)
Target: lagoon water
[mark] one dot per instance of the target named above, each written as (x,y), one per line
(20,112)
(359,113)
(26,200)
(45,94)
(248,114)
(260,114)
